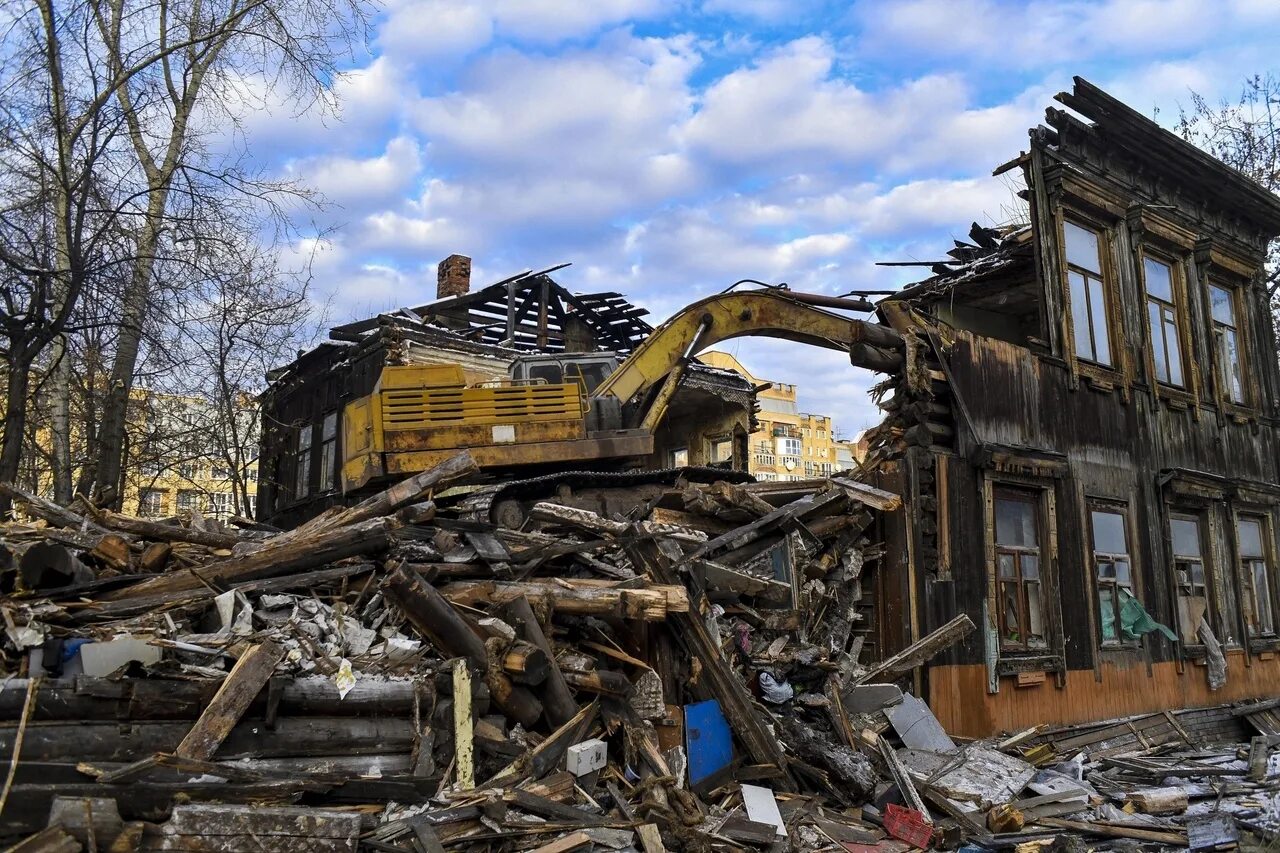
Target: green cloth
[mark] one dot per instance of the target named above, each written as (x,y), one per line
(1136,621)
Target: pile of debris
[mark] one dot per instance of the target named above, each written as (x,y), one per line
(406,675)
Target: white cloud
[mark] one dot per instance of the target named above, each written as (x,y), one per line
(553,20)
(435,29)
(353,182)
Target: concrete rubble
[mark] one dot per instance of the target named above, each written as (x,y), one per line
(401,675)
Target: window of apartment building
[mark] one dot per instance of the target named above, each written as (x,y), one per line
(1020,605)
(1162,312)
(188,500)
(1226,343)
(678,458)
(1189,571)
(152,467)
(221,472)
(251,506)
(1112,568)
(220,503)
(791,446)
(190,469)
(1088,293)
(302,462)
(328,450)
(151,503)
(1251,535)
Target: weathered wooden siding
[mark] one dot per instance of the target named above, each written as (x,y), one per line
(958,696)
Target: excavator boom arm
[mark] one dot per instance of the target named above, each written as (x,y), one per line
(768,313)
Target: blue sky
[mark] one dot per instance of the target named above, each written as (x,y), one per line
(669,148)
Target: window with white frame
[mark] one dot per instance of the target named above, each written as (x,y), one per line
(1162,315)
(1226,342)
(151,503)
(1087,291)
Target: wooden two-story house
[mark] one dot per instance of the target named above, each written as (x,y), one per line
(1086,438)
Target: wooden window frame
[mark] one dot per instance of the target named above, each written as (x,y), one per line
(1035,497)
(329,451)
(1216,609)
(1245,577)
(1125,510)
(1181,320)
(302,460)
(1107,278)
(1222,385)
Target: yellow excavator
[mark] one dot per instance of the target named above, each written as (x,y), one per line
(583,410)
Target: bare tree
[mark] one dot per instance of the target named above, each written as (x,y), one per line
(1244,134)
(111,112)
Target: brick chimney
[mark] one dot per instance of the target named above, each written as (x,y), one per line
(453,276)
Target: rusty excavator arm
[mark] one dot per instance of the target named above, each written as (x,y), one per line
(774,313)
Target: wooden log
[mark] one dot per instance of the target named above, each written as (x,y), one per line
(557,700)
(293,737)
(49,511)
(242,684)
(579,597)
(155,557)
(547,754)
(920,651)
(155,531)
(365,538)
(437,620)
(48,565)
(51,839)
(164,601)
(600,681)
(584,519)
(113,551)
(526,663)
(432,615)
(410,491)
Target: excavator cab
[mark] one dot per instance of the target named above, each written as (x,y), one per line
(589,370)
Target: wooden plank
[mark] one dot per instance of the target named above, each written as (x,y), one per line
(650,838)
(575,841)
(1111,831)
(238,690)
(463,741)
(920,651)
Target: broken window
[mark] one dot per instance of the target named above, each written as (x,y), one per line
(1226,343)
(1258,617)
(1113,570)
(678,458)
(721,449)
(1088,293)
(1188,567)
(1162,311)
(302,462)
(1020,602)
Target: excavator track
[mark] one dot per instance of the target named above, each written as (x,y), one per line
(507,503)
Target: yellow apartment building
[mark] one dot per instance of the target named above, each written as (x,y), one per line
(171,465)
(790,444)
